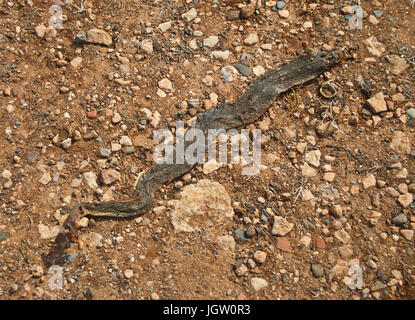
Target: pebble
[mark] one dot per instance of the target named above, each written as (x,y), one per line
(165,84)
(210,42)
(90,179)
(66,144)
(280,5)
(407,234)
(258,70)
(405,199)
(32,156)
(251,39)
(247,12)
(76,62)
(377,103)
(239,235)
(128,273)
(116,118)
(164,26)
(146,46)
(126,141)
(411,113)
(260,256)
(48,232)
(228,73)
(98,36)
(284,244)
(258,284)
(109,176)
(281,226)
(317,270)
(3,236)
(342,236)
(190,15)
(369,181)
(220,55)
(226,242)
(37,271)
(399,220)
(284,13)
(45,178)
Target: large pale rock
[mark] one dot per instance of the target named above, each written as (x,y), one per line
(202,205)
(398,64)
(377,103)
(99,36)
(281,226)
(400,143)
(374,47)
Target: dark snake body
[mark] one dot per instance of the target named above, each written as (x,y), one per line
(253,103)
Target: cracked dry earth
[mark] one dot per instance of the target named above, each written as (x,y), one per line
(79,109)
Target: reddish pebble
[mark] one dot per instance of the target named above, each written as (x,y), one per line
(284,244)
(320,244)
(91,114)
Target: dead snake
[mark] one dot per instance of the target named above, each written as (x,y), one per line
(253,103)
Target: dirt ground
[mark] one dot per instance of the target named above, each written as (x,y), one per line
(338,172)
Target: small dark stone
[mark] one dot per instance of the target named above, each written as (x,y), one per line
(317,270)
(239,235)
(232,15)
(244,70)
(32,156)
(399,220)
(3,236)
(128,150)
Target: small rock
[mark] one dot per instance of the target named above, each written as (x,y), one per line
(66,144)
(90,179)
(284,13)
(260,256)
(317,270)
(342,236)
(251,39)
(210,42)
(405,199)
(126,141)
(190,15)
(407,234)
(247,12)
(226,243)
(284,244)
(98,36)
(37,271)
(400,143)
(40,31)
(281,226)
(165,84)
(116,118)
(48,233)
(164,26)
(258,70)
(109,176)
(258,283)
(228,73)
(128,273)
(220,55)
(399,220)
(45,178)
(369,181)
(147,46)
(377,103)
(374,47)
(76,62)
